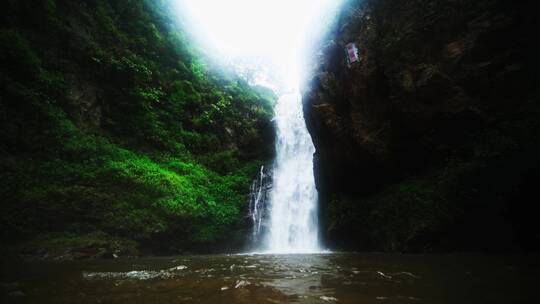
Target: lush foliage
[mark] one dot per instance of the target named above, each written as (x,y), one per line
(111,121)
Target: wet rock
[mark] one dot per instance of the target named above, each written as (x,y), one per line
(179,267)
(241,284)
(328,299)
(384,275)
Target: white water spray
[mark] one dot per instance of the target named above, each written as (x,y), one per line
(293,200)
(257,203)
(283,208)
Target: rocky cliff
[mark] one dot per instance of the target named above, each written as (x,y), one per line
(430,142)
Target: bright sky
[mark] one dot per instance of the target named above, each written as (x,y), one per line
(276,30)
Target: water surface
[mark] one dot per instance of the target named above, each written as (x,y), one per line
(310,278)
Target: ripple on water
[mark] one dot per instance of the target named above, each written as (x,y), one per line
(368,279)
(137,274)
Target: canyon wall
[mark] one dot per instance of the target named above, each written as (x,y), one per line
(430,142)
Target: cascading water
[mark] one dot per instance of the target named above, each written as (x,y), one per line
(257,204)
(293,225)
(275,55)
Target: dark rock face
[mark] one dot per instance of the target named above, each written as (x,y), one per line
(433,130)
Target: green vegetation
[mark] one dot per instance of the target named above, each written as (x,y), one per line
(112,123)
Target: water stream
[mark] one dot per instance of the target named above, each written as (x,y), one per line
(257,204)
(283,200)
(293,225)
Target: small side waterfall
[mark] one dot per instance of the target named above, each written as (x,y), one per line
(258,197)
(293,224)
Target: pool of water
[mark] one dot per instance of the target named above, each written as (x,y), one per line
(309,278)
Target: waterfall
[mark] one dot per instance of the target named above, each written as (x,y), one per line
(275,55)
(293,225)
(257,203)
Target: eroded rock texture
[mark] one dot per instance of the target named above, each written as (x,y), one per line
(431,141)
